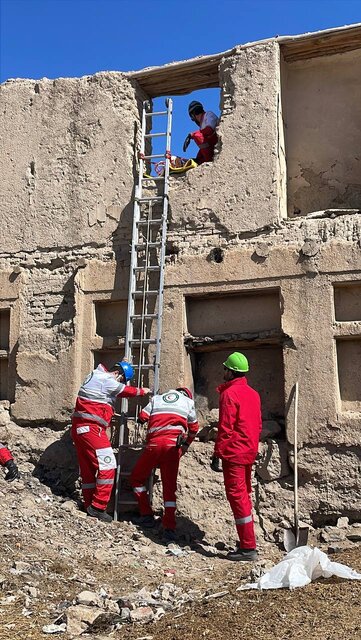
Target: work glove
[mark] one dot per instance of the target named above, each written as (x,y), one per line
(184,448)
(182,444)
(216,464)
(186,142)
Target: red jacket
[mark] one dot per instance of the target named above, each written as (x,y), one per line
(240,422)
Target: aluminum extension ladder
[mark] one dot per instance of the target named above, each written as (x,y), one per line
(146,281)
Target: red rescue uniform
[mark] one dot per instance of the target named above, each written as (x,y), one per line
(239,429)
(168,415)
(93,411)
(206,137)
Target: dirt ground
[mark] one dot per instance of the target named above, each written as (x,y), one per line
(65,552)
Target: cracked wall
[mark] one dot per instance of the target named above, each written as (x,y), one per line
(248,145)
(64,267)
(322,117)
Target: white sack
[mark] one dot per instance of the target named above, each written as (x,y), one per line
(299,567)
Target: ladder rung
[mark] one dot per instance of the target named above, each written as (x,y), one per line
(147,245)
(137,294)
(125,474)
(157,113)
(143,366)
(153,178)
(135,502)
(155,135)
(155,221)
(152,268)
(146,316)
(145,341)
(154,155)
(150,199)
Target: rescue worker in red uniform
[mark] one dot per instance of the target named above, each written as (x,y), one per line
(239,429)
(7,461)
(172,427)
(92,415)
(206,137)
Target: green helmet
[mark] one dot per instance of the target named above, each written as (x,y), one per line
(237,362)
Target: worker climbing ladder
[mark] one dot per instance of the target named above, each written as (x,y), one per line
(146,283)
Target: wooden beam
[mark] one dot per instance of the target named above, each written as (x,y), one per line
(314,45)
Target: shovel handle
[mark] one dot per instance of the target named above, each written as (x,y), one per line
(295,446)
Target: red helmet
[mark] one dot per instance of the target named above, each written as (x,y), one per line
(185,391)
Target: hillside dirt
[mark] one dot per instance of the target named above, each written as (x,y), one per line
(51,551)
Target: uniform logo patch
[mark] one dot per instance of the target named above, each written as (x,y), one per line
(107,459)
(170,397)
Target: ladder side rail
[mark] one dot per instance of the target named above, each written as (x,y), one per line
(169,103)
(144,298)
(131,302)
(132,277)
(144,311)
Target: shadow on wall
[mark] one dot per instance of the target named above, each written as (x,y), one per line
(66,310)
(58,466)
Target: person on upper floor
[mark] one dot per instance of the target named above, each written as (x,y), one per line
(205,137)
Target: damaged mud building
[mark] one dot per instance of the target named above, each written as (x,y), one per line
(263,255)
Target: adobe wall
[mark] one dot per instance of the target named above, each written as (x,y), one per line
(66,188)
(240,191)
(322,114)
(239,274)
(67,170)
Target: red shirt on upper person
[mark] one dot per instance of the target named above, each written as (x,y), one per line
(206,137)
(169,415)
(240,422)
(97,397)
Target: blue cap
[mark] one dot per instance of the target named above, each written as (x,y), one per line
(127,370)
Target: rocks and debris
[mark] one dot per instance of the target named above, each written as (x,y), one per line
(61,570)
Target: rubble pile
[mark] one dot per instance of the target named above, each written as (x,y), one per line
(63,572)
(92,611)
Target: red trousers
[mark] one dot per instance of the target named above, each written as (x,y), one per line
(5,455)
(165,456)
(96,461)
(237,482)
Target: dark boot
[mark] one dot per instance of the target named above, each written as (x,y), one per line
(243,555)
(148,522)
(99,514)
(12,471)
(169,535)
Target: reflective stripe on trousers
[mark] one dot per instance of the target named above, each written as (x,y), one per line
(97,477)
(238,486)
(243,520)
(166,457)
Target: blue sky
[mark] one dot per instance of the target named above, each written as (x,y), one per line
(53,38)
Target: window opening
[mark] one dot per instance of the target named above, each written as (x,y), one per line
(182,124)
